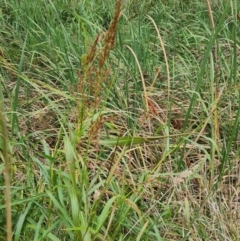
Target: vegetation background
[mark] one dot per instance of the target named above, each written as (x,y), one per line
(119,120)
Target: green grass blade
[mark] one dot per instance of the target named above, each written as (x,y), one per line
(20,223)
(16,92)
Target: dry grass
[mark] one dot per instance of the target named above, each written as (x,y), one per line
(124,155)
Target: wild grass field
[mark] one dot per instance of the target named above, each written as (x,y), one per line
(119,120)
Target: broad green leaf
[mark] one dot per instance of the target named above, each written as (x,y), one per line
(105,212)
(21,221)
(140,234)
(127,140)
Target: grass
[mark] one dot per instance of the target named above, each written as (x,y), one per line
(119,121)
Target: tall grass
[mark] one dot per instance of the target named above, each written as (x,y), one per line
(120,120)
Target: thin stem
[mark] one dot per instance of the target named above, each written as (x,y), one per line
(7,176)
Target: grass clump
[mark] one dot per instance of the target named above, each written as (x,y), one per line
(119,120)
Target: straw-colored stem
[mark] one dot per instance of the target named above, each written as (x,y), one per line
(164,53)
(142,78)
(7,177)
(216,95)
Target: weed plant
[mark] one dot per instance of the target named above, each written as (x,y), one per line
(119,120)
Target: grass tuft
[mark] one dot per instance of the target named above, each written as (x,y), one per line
(119,120)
